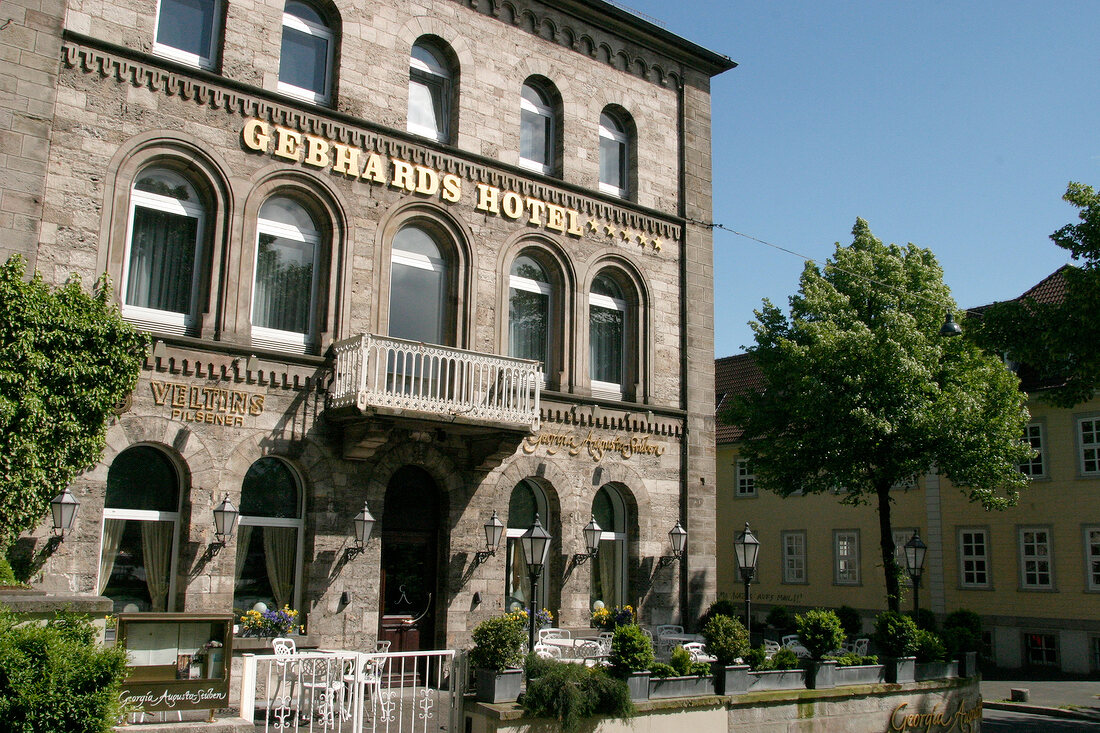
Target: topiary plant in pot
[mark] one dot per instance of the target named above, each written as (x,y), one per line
(727,641)
(821,633)
(497,653)
(630,658)
(896,638)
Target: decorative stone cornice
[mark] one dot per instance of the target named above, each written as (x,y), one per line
(125,66)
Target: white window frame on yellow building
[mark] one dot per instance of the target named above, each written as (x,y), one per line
(1088,451)
(1091,536)
(984,558)
(1047,557)
(798,558)
(854,577)
(746,479)
(1035,436)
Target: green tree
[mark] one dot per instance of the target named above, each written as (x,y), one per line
(862,392)
(66,360)
(1060,340)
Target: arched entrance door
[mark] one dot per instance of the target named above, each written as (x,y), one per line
(410,547)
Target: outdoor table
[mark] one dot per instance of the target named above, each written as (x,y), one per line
(568,646)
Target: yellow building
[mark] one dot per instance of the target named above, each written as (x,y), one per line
(1032,572)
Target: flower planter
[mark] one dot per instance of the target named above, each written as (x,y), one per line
(664,687)
(863,674)
(900,669)
(777,679)
(498,687)
(638,682)
(935,670)
(968,664)
(821,675)
(730,680)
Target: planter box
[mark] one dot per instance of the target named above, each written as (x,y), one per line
(498,687)
(638,682)
(821,675)
(663,687)
(900,669)
(730,680)
(777,679)
(968,664)
(865,674)
(936,670)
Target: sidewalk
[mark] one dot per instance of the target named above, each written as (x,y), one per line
(1062,698)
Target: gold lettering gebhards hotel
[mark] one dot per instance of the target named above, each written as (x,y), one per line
(359,164)
(211,405)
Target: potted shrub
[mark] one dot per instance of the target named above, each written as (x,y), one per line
(727,641)
(853,669)
(896,638)
(962,635)
(781,672)
(680,677)
(931,657)
(630,658)
(573,693)
(821,633)
(497,652)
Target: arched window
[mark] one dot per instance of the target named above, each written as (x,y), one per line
(305,61)
(607,311)
(420,306)
(527,499)
(609,565)
(140,531)
(537,129)
(285,291)
(269,536)
(430,83)
(529,307)
(614,155)
(188,31)
(166,241)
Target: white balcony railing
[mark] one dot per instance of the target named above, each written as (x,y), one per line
(389,374)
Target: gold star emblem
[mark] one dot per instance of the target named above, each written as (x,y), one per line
(609,230)
(657,245)
(592,225)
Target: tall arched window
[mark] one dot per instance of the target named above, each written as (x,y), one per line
(430,85)
(614,155)
(537,129)
(609,565)
(529,308)
(527,499)
(607,310)
(165,245)
(285,291)
(420,302)
(269,536)
(305,61)
(140,527)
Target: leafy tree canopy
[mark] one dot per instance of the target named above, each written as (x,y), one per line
(66,360)
(1060,340)
(862,393)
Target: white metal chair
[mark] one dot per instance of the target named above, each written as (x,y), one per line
(321,681)
(546,651)
(791,642)
(771,646)
(285,673)
(555,634)
(382,647)
(698,652)
(369,680)
(664,646)
(861,646)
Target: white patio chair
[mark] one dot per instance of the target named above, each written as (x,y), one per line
(285,673)
(382,647)
(771,646)
(370,677)
(605,642)
(321,682)
(664,646)
(555,634)
(698,652)
(545,651)
(861,646)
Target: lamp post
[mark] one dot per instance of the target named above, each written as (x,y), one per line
(746,548)
(915,550)
(536,547)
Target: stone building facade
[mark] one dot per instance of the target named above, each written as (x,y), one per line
(439,258)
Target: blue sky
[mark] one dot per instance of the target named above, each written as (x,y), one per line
(952,125)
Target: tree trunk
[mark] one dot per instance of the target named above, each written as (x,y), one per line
(886,542)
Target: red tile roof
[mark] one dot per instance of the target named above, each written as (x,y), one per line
(733,375)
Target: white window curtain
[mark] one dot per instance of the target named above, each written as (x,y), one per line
(280,554)
(285,287)
(156,550)
(529,311)
(244,537)
(112,538)
(162,260)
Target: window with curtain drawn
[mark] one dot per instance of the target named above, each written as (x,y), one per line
(305,60)
(284,293)
(429,92)
(529,302)
(188,31)
(527,499)
(167,231)
(608,568)
(606,337)
(268,536)
(140,527)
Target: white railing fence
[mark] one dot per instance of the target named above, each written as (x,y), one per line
(378,371)
(353,692)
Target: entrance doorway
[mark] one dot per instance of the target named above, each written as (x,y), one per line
(410,561)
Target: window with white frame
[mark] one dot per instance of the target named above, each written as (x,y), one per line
(527,500)
(269,537)
(607,337)
(165,242)
(901,536)
(137,562)
(188,31)
(429,92)
(284,294)
(305,61)
(846,557)
(608,568)
(1035,558)
(529,302)
(1034,466)
(1092,557)
(974,558)
(614,156)
(419,307)
(794,556)
(1040,650)
(1088,439)
(746,478)
(536,131)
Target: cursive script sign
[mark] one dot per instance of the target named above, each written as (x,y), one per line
(936,721)
(596,447)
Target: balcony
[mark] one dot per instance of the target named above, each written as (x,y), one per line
(378,375)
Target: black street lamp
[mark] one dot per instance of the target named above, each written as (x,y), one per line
(746,547)
(592,534)
(494,528)
(536,548)
(915,551)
